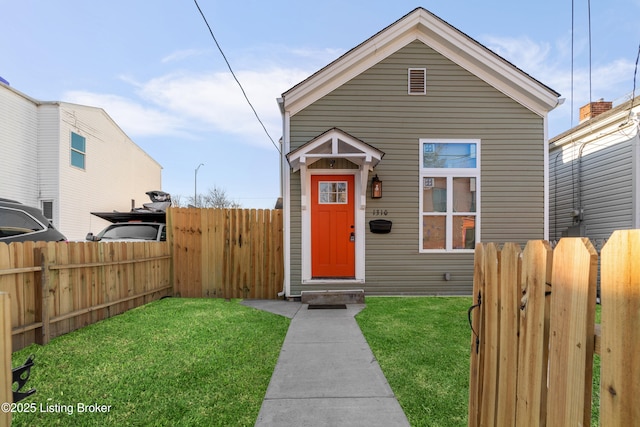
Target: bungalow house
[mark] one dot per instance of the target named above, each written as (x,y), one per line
(70,160)
(402,154)
(593,171)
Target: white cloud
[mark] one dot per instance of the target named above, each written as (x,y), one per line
(183,54)
(135,119)
(551,65)
(215,100)
(186,104)
(522,52)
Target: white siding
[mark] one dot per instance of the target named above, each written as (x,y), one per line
(18,137)
(48,157)
(35,142)
(116,171)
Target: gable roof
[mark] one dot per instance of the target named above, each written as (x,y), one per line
(335,143)
(420,24)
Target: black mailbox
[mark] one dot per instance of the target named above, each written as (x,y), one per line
(380,226)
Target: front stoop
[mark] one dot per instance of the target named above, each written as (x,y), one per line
(354,296)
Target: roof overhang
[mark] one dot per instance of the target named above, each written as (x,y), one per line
(335,144)
(422,25)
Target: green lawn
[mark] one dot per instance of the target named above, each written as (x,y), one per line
(174,362)
(207,362)
(422,345)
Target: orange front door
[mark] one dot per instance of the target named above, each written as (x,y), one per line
(332,226)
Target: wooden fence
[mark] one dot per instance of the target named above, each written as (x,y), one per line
(58,287)
(6,394)
(534,333)
(226,253)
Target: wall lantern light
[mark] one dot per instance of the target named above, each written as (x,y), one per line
(376,187)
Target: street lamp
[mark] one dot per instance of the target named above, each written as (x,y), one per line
(195,186)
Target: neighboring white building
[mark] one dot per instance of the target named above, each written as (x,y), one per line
(594,173)
(70,160)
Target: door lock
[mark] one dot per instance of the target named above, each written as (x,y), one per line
(352,237)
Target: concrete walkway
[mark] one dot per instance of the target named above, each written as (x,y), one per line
(326,374)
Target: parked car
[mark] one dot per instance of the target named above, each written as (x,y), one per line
(20,223)
(131,232)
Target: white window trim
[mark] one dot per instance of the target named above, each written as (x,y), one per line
(448,173)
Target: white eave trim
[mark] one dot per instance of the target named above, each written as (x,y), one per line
(443,38)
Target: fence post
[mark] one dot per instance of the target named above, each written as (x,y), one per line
(6,395)
(620,346)
(45,293)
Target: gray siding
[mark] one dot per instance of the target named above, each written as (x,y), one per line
(375,107)
(605,193)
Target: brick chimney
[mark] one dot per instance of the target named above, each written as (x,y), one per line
(593,109)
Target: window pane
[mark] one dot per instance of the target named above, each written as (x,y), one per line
(47,209)
(464,232)
(77,142)
(433,232)
(332,192)
(434,196)
(464,194)
(77,159)
(448,155)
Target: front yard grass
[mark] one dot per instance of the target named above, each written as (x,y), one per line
(173,362)
(422,345)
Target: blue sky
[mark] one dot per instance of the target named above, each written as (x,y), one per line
(156,71)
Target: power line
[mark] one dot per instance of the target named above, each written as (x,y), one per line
(234,76)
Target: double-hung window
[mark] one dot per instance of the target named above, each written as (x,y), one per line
(449,194)
(78,150)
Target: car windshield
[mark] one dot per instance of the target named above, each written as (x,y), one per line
(131,231)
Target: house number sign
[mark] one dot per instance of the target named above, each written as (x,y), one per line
(379,212)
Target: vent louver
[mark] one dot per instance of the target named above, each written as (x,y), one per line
(417,81)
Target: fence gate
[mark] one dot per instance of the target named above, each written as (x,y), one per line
(534,333)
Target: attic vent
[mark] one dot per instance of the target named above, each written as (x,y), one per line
(417,81)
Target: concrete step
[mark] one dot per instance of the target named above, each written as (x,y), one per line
(337,297)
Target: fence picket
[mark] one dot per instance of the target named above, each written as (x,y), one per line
(476,316)
(620,317)
(509,325)
(491,335)
(6,377)
(571,332)
(532,354)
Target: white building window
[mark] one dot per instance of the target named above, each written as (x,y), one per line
(78,150)
(449,195)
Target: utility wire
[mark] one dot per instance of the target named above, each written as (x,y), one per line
(635,73)
(589,19)
(234,76)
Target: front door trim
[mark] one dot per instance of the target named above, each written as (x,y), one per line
(359,229)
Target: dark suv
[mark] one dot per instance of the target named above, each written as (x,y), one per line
(20,223)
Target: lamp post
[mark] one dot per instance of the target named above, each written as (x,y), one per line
(195,186)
